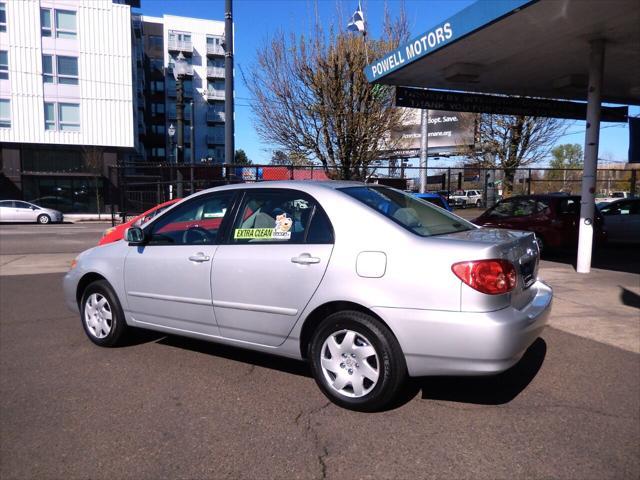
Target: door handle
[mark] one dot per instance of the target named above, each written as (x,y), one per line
(305,259)
(199,257)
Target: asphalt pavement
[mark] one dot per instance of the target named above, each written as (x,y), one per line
(169,407)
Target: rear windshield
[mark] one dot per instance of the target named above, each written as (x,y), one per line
(414,214)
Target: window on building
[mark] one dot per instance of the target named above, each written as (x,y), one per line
(4,64)
(156,64)
(157,152)
(155,42)
(215,62)
(67,70)
(5,113)
(69,116)
(49,116)
(65,24)
(157,108)
(158,129)
(3,17)
(47,69)
(45,22)
(211,40)
(62,70)
(157,86)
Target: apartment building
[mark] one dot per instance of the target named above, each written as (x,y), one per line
(66,98)
(201,43)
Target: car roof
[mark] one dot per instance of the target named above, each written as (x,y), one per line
(299,184)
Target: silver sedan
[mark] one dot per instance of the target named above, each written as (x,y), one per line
(367,283)
(19,211)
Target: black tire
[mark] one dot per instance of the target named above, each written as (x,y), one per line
(44,219)
(479,204)
(118,327)
(391,366)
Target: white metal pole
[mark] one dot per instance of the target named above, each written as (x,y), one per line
(424,148)
(592,138)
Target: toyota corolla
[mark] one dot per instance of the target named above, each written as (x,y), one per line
(367,283)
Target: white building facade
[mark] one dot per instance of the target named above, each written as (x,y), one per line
(66,89)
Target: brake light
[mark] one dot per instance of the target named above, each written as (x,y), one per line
(492,277)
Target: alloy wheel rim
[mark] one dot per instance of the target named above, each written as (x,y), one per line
(98,316)
(349,363)
(44,219)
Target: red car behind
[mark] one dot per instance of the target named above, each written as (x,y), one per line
(116,233)
(553,218)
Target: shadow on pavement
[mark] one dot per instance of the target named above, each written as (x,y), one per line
(629,298)
(490,390)
(619,258)
(273,362)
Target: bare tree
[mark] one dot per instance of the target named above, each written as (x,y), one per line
(311,97)
(510,142)
(295,159)
(94,160)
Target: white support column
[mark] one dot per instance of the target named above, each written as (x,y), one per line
(424,148)
(592,139)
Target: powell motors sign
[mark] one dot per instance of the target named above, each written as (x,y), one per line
(466,21)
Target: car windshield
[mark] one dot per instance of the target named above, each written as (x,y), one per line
(417,216)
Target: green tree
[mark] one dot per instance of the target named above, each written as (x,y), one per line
(240,158)
(565,158)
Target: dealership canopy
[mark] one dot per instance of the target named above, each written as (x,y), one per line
(587,50)
(523,47)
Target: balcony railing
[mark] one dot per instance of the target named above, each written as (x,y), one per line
(215,139)
(213,49)
(215,72)
(185,46)
(214,94)
(189,73)
(214,116)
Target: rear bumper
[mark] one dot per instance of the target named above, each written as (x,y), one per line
(468,343)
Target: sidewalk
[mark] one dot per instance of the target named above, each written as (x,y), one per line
(603,305)
(88,217)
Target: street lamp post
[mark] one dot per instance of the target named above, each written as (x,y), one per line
(179,72)
(171,131)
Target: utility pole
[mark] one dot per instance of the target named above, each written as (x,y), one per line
(229,143)
(192,143)
(424,149)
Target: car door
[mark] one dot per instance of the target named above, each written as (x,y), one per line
(25,212)
(7,211)
(566,224)
(273,262)
(622,220)
(168,279)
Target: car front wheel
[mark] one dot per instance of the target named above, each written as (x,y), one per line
(102,316)
(357,362)
(44,219)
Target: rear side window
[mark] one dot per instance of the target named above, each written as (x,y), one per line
(280,217)
(7,204)
(524,207)
(416,216)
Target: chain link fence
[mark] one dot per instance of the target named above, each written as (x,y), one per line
(133,189)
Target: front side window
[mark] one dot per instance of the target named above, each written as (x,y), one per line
(23,205)
(67,70)
(4,65)
(69,116)
(65,24)
(195,223)
(3,17)
(630,207)
(5,113)
(280,217)
(415,215)
(45,22)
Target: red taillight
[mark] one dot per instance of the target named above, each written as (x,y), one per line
(492,277)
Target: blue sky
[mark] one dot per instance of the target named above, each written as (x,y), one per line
(257,20)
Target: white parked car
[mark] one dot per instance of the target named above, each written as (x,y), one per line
(367,283)
(20,211)
(466,198)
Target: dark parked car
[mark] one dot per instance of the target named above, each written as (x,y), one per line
(553,218)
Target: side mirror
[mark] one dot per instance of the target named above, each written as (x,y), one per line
(135,236)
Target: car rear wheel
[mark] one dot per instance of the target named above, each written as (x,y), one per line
(479,204)
(44,219)
(102,316)
(357,362)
